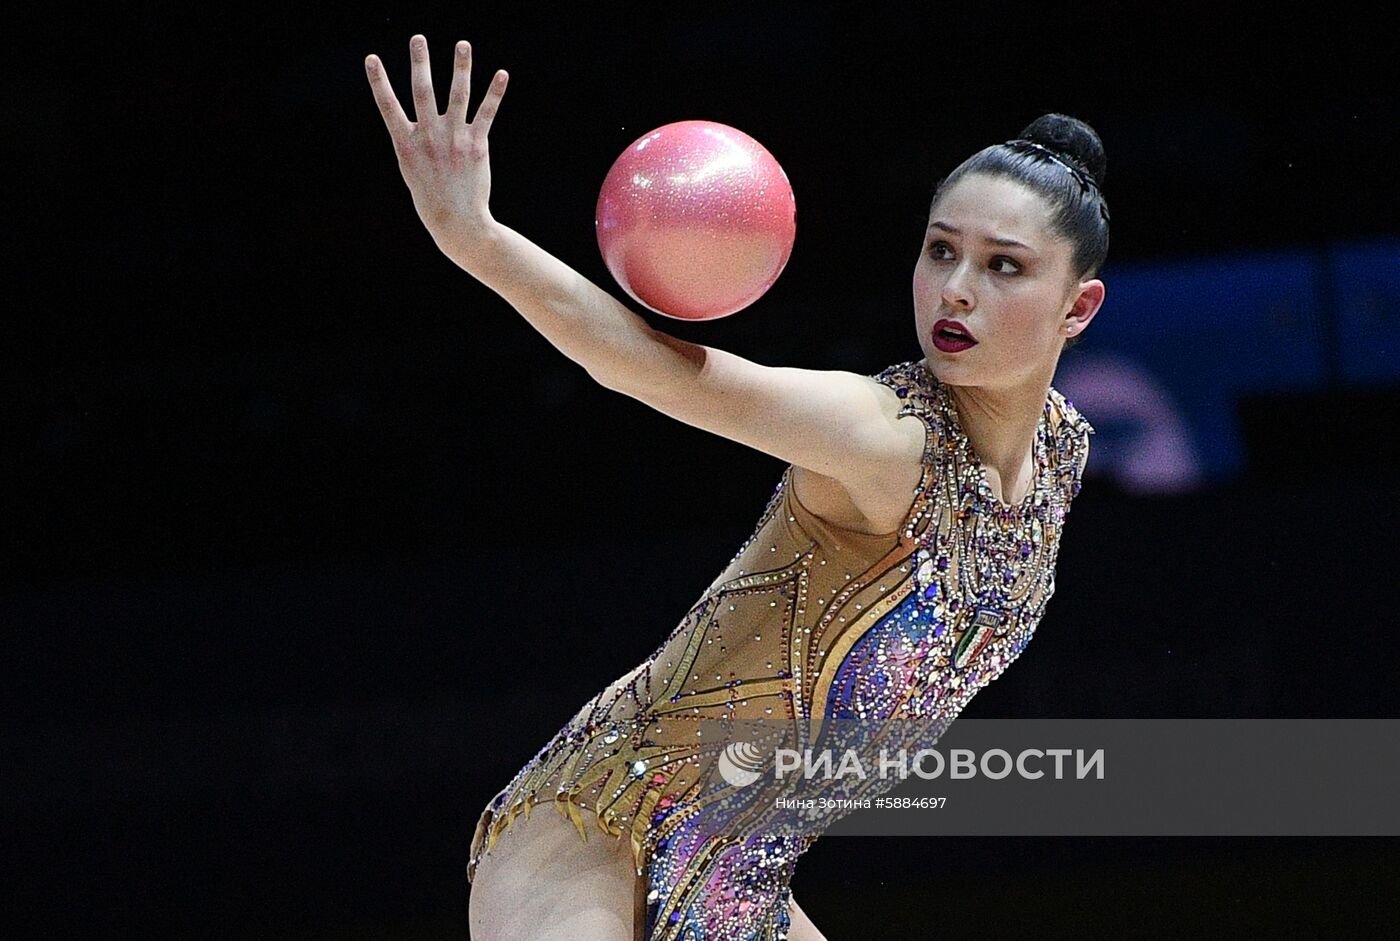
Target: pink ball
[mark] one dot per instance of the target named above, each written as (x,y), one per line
(696,220)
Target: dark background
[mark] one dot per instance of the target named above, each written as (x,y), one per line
(310,540)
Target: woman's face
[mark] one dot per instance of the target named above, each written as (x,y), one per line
(1015,300)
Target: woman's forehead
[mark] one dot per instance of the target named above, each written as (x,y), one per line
(985,206)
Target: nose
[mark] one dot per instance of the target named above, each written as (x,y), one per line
(956,289)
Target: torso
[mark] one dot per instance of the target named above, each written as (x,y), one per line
(836,657)
(512,887)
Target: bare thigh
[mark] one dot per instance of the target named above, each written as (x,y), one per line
(802,928)
(541,882)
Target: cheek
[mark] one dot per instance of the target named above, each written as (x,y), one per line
(1029,318)
(925,284)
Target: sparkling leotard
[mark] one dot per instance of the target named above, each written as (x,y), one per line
(829,636)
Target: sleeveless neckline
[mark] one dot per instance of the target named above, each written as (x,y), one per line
(973,465)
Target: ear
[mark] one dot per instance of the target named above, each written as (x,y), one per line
(1086,304)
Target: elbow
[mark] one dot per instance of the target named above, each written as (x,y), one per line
(608,379)
(660,363)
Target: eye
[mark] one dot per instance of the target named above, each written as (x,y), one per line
(997,263)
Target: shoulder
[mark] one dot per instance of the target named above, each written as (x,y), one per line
(911,383)
(1067,417)
(878,496)
(1070,433)
(890,440)
(915,393)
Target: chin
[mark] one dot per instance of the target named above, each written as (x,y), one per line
(954,369)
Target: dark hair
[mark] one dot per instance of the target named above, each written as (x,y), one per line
(1072,188)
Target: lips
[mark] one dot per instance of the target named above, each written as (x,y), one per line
(950,336)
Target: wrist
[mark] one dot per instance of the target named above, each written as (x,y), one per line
(466,241)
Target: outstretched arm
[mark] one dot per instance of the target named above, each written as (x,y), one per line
(836,423)
(446,163)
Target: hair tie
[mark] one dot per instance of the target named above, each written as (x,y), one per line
(1083,177)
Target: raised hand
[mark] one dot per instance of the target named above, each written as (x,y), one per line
(443,158)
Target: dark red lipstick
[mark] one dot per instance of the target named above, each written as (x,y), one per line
(950,336)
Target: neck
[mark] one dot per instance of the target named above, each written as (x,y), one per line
(1000,424)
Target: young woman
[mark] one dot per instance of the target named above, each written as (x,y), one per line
(901,564)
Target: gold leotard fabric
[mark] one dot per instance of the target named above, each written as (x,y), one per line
(823,636)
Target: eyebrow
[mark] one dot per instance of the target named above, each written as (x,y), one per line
(1009,243)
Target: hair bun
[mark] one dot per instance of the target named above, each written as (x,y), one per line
(1071,138)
